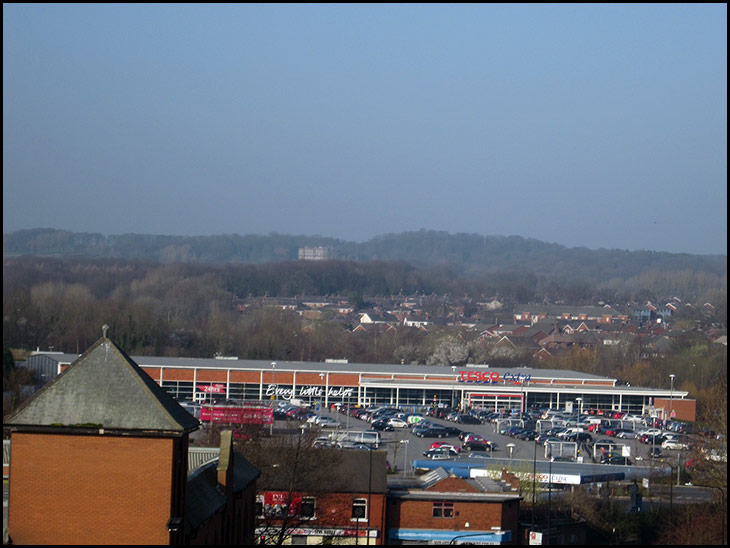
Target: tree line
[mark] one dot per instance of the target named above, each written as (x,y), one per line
(470,254)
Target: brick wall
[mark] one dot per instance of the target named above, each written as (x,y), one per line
(75,489)
(418,514)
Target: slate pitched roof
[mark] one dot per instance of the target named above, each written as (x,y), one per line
(104,388)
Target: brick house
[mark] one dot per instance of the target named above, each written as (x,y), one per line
(100,456)
(445,509)
(344,505)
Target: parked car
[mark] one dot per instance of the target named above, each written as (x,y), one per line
(441,453)
(327,422)
(452,431)
(382,425)
(579,437)
(433,431)
(477,445)
(674,444)
(655,453)
(527,435)
(468,419)
(616,459)
(437,444)
(395,422)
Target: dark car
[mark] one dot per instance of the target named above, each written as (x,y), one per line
(527,435)
(452,431)
(468,419)
(476,445)
(616,459)
(579,437)
(382,425)
(655,452)
(431,432)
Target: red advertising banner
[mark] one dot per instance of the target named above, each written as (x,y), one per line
(275,502)
(237,415)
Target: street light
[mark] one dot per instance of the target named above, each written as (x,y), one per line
(453,382)
(405,460)
(273,397)
(671,396)
(510,447)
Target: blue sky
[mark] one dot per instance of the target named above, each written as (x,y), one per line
(602,126)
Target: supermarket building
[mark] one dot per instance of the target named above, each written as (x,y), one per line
(338,382)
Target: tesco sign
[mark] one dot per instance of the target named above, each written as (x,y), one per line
(492,377)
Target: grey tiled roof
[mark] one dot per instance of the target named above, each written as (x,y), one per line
(104,389)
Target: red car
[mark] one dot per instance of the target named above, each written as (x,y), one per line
(437,444)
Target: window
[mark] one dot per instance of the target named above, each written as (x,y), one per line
(359,509)
(306,509)
(443,509)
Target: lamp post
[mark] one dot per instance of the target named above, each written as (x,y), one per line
(273,397)
(671,396)
(405,459)
(453,382)
(510,447)
(321,384)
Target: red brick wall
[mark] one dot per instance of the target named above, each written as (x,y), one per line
(418,514)
(684,410)
(73,489)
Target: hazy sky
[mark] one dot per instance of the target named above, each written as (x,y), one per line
(584,125)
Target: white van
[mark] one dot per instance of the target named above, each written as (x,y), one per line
(369,437)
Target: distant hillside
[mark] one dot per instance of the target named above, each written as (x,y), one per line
(468,254)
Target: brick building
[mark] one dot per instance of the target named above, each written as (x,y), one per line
(441,508)
(339,498)
(99,456)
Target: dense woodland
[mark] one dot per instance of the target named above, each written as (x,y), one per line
(466,254)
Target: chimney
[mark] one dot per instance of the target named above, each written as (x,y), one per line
(225,461)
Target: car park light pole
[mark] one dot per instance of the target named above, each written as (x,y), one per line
(510,447)
(453,390)
(671,396)
(273,381)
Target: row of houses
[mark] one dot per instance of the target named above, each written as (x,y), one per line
(430,309)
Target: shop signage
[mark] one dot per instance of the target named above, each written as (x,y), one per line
(492,377)
(236,415)
(212,388)
(286,393)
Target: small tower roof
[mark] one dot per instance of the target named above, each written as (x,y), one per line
(103,389)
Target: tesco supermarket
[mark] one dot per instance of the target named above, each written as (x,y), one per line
(338,382)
